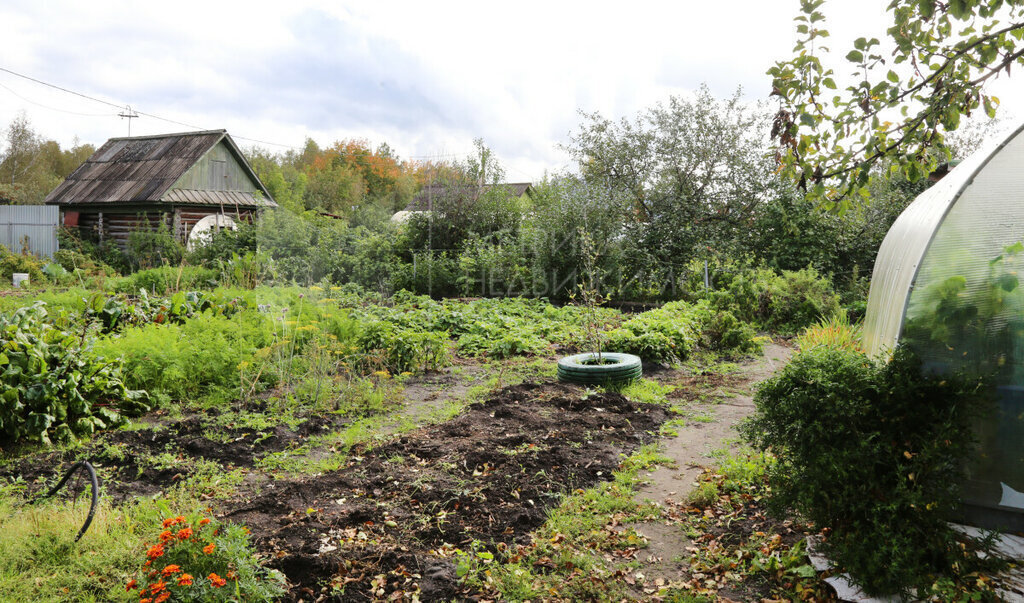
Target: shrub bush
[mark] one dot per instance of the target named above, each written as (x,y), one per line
(665,334)
(166,279)
(52,387)
(20,262)
(73,261)
(399,349)
(723,333)
(783,303)
(672,332)
(872,452)
(150,247)
(250,270)
(795,300)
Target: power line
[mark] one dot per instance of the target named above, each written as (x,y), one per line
(28,100)
(32,79)
(120,107)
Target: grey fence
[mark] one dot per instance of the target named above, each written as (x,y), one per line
(31,226)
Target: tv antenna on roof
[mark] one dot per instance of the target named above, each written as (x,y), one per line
(130,114)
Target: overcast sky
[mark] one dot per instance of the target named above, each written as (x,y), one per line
(425,77)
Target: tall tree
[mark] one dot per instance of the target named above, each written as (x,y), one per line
(696,169)
(898,100)
(30,167)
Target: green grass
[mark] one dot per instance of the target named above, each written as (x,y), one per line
(648,391)
(39,560)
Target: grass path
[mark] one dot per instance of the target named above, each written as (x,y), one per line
(716,407)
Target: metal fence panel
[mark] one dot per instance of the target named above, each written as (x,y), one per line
(34,225)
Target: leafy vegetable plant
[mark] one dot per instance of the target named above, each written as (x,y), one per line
(52,386)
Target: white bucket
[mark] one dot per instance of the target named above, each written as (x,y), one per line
(19,278)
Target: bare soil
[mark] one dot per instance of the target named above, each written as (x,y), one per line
(381,525)
(373,529)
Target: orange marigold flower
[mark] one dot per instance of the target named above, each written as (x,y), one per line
(208,549)
(168,522)
(162,597)
(216,580)
(185,534)
(131,584)
(203,522)
(171,569)
(155,551)
(166,535)
(185,580)
(232,575)
(159,586)
(146,600)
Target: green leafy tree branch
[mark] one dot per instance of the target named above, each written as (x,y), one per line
(899,105)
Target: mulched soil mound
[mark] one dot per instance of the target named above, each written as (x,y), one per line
(384,526)
(120,456)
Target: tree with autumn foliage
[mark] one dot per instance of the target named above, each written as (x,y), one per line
(348,179)
(352,180)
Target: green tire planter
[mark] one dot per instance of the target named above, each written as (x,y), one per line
(615,369)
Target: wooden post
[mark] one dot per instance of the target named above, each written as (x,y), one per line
(178,230)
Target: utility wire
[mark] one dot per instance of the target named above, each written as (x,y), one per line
(28,100)
(49,85)
(117,106)
(171,121)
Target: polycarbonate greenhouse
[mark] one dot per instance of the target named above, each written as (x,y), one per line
(947,283)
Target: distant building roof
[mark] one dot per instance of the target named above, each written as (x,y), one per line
(143,169)
(424,200)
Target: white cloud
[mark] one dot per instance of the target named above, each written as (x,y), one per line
(425,77)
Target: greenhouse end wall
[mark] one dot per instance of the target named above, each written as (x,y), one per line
(947,285)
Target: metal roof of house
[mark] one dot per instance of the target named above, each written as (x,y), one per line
(424,200)
(141,169)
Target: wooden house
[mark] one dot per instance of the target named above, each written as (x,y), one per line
(190,181)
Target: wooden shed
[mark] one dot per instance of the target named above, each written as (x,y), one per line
(180,180)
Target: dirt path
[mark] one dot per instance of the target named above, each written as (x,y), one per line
(690,450)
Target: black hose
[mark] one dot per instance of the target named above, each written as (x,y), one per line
(95,492)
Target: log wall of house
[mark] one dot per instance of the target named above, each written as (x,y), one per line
(188,216)
(116,224)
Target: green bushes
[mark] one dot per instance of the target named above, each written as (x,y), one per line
(873,453)
(74,261)
(783,302)
(400,349)
(52,388)
(166,279)
(671,333)
(20,262)
(151,247)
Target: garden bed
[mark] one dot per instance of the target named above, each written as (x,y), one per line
(487,476)
(390,517)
